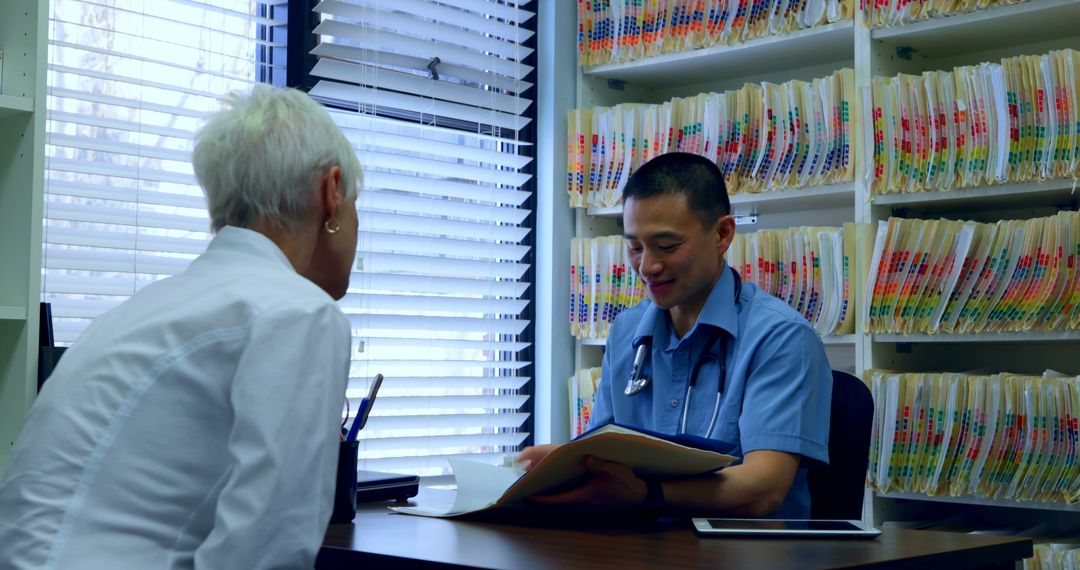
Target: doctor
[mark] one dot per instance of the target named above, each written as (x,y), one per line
(707,355)
(197,423)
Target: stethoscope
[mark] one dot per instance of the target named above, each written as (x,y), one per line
(638,382)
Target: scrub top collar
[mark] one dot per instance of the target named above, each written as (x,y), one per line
(718,313)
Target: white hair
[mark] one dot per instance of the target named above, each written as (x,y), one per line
(263,155)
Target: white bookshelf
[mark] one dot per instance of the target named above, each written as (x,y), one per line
(1033,27)
(802,48)
(993,337)
(22,149)
(1011,25)
(829,196)
(11,105)
(982,501)
(9,313)
(1049,192)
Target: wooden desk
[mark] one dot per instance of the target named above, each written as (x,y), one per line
(379,538)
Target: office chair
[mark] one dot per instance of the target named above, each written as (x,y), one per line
(836,491)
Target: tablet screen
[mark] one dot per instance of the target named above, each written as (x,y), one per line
(766,524)
(784,527)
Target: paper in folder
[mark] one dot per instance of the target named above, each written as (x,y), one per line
(483,487)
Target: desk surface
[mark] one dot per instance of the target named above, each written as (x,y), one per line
(379,538)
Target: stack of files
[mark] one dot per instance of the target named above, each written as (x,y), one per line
(976,125)
(883,13)
(602,285)
(1051,554)
(621,31)
(764,137)
(809,268)
(931,276)
(583,385)
(1002,436)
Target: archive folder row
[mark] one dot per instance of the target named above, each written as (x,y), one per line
(812,269)
(764,137)
(884,13)
(978,125)
(1001,436)
(602,284)
(583,385)
(619,31)
(945,276)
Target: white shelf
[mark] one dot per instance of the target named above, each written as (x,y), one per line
(1002,26)
(788,201)
(982,501)
(985,196)
(11,105)
(801,48)
(1036,336)
(838,339)
(10,313)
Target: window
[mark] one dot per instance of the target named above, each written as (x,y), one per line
(128,83)
(435,98)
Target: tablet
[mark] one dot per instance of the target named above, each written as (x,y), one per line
(805,528)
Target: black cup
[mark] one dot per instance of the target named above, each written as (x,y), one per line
(345,488)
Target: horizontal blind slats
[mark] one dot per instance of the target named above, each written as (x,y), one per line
(444,188)
(356,94)
(380,242)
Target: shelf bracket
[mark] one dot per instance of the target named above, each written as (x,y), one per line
(616,84)
(905,52)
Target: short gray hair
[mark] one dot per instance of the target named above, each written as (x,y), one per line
(264,153)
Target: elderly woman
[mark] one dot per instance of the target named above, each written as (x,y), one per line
(197,423)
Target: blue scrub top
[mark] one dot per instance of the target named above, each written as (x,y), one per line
(778,391)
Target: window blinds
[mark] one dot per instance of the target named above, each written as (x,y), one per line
(432,97)
(128,83)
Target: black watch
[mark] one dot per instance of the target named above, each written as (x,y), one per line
(654,495)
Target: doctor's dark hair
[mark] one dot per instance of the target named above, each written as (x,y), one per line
(692,175)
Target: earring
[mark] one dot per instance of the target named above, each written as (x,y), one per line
(332,226)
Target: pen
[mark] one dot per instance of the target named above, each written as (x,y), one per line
(364,409)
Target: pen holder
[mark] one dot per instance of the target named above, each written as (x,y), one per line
(345,488)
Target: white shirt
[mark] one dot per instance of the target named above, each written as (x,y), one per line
(196,424)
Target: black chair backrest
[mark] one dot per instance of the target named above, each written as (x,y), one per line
(48,353)
(836,491)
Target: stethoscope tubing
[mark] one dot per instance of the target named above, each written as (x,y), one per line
(637,382)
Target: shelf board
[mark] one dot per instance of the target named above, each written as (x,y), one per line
(838,339)
(841,339)
(1017,24)
(982,501)
(1036,336)
(11,105)
(801,48)
(787,201)
(10,313)
(1026,193)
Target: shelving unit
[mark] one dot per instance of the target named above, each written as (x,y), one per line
(804,54)
(1034,27)
(22,147)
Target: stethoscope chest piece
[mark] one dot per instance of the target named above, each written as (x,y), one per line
(637,381)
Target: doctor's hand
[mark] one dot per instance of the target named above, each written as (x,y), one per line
(610,484)
(530,456)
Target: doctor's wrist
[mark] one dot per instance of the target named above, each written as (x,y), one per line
(654,495)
